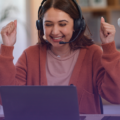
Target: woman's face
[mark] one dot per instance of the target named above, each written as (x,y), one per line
(58,26)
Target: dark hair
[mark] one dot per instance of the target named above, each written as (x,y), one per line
(69,7)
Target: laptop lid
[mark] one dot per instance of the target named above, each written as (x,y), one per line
(40,102)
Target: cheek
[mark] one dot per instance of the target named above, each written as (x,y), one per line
(68,31)
(46,31)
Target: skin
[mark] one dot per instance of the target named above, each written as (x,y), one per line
(57,23)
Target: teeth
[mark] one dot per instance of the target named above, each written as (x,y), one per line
(57,38)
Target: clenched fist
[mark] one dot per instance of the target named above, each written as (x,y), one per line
(8,33)
(107,32)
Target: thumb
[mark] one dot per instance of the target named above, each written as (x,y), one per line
(15,23)
(102,19)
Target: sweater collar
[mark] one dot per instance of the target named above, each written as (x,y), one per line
(78,67)
(43,55)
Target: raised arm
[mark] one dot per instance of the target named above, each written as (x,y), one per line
(9,73)
(107,66)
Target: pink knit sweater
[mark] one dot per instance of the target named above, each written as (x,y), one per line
(95,72)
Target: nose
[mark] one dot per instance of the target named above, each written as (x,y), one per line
(55,30)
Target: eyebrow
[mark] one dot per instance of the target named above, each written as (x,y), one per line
(58,21)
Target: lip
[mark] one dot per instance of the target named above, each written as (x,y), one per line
(58,40)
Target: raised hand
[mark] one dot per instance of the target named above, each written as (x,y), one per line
(8,33)
(107,32)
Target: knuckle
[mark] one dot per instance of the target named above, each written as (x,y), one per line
(2,31)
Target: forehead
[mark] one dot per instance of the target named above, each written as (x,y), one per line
(56,15)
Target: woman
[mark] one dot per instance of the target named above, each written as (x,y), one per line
(80,62)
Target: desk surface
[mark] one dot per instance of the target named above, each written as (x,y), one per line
(98,117)
(87,117)
(82,116)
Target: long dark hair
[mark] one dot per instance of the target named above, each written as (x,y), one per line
(69,7)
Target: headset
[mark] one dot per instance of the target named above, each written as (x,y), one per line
(79,24)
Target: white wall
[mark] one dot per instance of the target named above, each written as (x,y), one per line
(20,15)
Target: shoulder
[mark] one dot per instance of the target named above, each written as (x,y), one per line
(32,48)
(94,52)
(35,49)
(94,49)
(33,52)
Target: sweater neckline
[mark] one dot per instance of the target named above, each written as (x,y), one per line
(62,58)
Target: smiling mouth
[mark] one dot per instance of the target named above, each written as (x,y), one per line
(57,39)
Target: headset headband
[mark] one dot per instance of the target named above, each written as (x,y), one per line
(78,23)
(41,7)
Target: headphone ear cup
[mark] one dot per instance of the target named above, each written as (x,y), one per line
(83,25)
(39,25)
(79,23)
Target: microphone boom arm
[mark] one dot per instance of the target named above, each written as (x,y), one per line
(61,42)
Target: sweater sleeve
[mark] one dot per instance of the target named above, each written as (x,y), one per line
(11,74)
(107,73)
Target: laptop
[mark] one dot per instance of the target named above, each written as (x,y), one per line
(40,102)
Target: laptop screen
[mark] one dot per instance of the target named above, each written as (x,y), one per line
(40,102)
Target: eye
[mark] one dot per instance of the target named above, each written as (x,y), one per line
(62,24)
(48,25)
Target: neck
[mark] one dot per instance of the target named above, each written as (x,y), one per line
(61,51)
